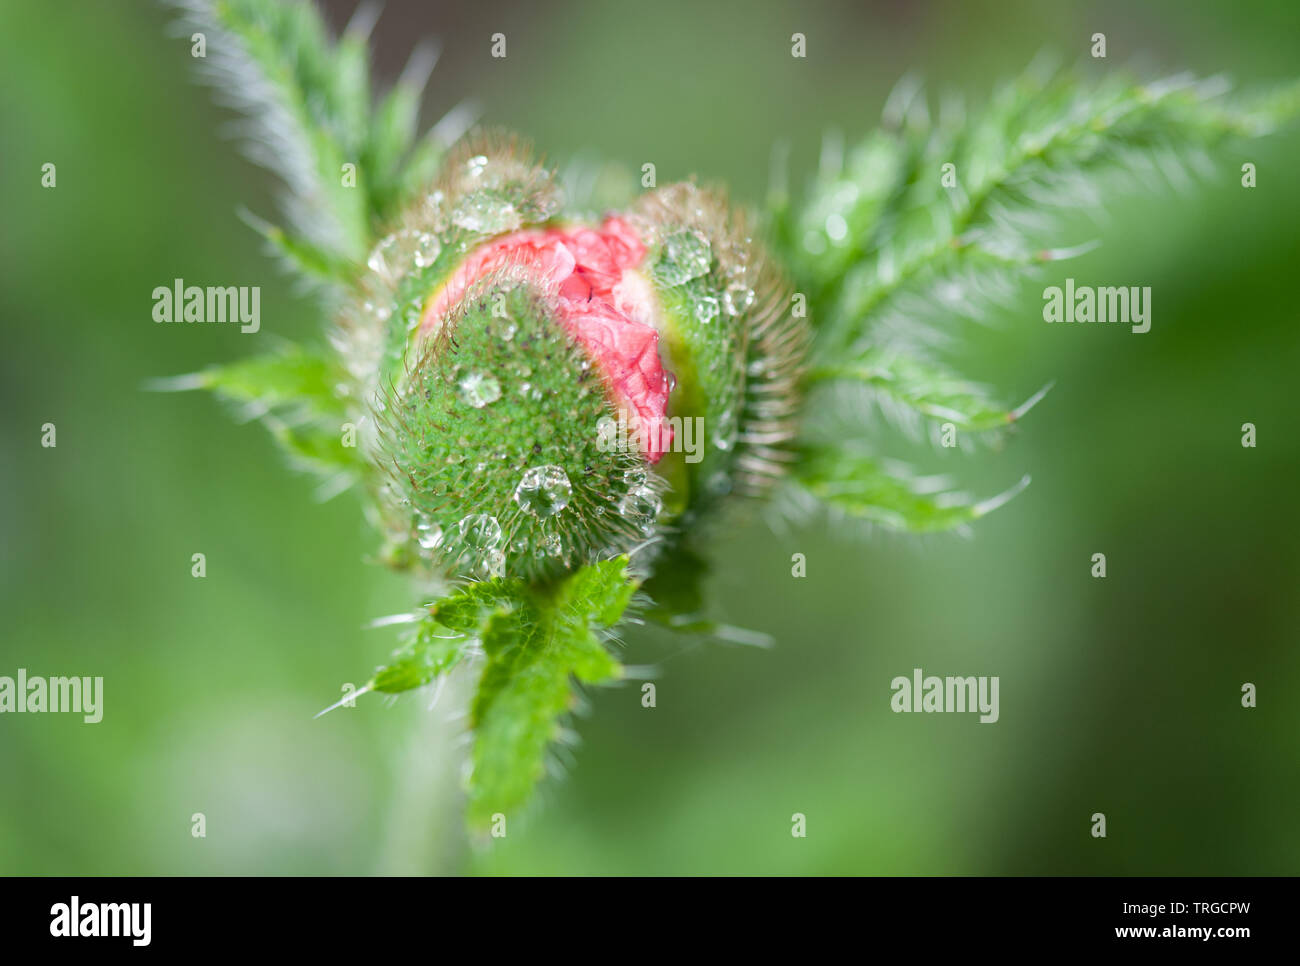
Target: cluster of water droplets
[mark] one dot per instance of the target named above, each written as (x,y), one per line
(713,282)
(496,195)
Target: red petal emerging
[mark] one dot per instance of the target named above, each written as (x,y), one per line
(604,303)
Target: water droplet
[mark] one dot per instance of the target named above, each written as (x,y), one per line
(634,477)
(380,312)
(492,564)
(485,212)
(737,298)
(508,331)
(480,531)
(544,490)
(476,165)
(641,507)
(552,545)
(429,534)
(724,430)
(686,255)
(427,250)
(705,308)
(478,389)
(379,260)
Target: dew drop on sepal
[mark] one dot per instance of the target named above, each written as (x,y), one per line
(480,531)
(640,507)
(544,491)
(486,213)
(492,564)
(478,389)
(686,255)
(429,534)
(706,308)
(737,298)
(427,250)
(634,477)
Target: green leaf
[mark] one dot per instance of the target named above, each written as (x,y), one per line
(292,376)
(300,255)
(431,650)
(934,218)
(441,638)
(391,139)
(536,642)
(307,100)
(880,239)
(295,393)
(928,387)
(886,493)
(533,653)
(310,112)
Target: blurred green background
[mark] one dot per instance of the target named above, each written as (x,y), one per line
(1119,695)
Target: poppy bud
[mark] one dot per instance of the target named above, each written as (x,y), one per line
(501,343)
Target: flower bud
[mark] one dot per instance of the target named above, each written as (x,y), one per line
(730,339)
(531,378)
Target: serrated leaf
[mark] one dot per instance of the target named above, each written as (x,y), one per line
(439,640)
(392,135)
(295,393)
(307,98)
(882,223)
(536,642)
(307,101)
(888,494)
(926,386)
(306,259)
(293,376)
(533,653)
(431,650)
